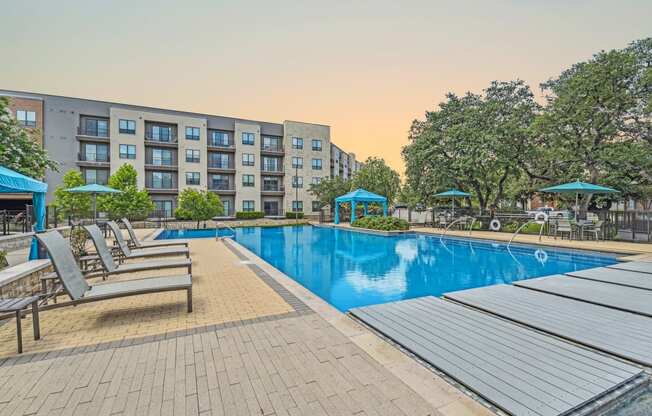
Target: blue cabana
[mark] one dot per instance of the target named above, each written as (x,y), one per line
(14,182)
(358,196)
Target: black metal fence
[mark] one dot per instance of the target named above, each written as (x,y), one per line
(16,221)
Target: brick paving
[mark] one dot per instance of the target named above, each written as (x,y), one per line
(258,351)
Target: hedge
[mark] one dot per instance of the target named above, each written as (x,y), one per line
(381,223)
(249,215)
(294,215)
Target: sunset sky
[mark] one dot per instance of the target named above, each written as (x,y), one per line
(365,68)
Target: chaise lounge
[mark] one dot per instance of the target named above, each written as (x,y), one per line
(134,242)
(128,253)
(80,291)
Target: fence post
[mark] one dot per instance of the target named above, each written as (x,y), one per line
(56,218)
(634,225)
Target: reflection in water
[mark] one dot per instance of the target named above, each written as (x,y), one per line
(350,269)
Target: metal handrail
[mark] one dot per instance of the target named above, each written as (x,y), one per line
(450,225)
(518,230)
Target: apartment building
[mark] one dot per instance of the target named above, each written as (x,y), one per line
(252,165)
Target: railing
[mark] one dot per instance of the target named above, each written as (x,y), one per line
(221,165)
(160,138)
(271,168)
(16,220)
(222,186)
(83,157)
(273,188)
(97,132)
(272,147)
(274,212)
(159,162)
(217,143)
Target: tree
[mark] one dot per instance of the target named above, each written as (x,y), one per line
(597,123)
(475,143)
(19,149)
(198,205)
(377,177)
(328,189)
(131,202)
(76,205)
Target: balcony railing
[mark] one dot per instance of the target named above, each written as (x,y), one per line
(220,143)
(161,138)
(222,186)
(273,188)
(93,132)
(84,157)
(221,165)
(159,162)
(272,168)
(278,212)
(272,147)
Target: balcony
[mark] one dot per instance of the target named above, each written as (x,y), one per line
(159,191)
(220,166)
(222,187)
(272,212)
(272,189)
(272,170)
(93,134)
(273,149)
(220,145)
(161,140)
(93,160)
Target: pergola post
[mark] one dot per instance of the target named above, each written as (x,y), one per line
(353,211)
(366,206)
(337,212)
(385,208)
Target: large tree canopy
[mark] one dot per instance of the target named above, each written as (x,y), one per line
(131,202)
(18,148)
(377,177)
(330,188)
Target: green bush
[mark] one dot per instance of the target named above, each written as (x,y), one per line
(294,215)
(381,223)
(249,215)
(531,228)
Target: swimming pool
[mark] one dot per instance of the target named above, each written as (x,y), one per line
(350,269)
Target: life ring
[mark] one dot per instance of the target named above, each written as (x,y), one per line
(541,218)
(494,225)
(541,256)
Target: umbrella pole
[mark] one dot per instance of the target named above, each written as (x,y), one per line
(94,208)
(453,206)
(577,206)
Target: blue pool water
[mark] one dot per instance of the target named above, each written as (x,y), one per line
(350,269)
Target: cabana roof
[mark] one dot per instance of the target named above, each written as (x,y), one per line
(14,182)
(360,195)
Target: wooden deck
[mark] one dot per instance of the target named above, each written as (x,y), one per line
(616,276)
(612,331)
(625,298)
(522,371)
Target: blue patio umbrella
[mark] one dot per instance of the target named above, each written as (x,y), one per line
(93,189)
(578,188)
(452,193)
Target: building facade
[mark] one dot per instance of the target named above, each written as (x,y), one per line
(251,165)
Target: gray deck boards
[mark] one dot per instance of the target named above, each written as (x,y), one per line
(624,334)
(522,371)
(616,276)
(635,266)
(625,298)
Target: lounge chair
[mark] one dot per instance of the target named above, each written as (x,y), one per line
(110,266)
(134,242)
(80,291)
(127,253)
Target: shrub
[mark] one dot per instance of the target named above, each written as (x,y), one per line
(381,223)
(3,259)
(531,228)
(249,215)
(198,205)
(294,215)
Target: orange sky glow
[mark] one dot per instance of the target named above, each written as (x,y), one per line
(366,68)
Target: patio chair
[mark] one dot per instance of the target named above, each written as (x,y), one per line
(564,227)
(80,291)
(595,230)
(134,242)
(110,267)
(442,221)
(127,253)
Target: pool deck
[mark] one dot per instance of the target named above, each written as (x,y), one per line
(257,343)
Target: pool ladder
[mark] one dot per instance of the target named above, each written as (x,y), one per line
(523,226)
(217,230)
(455,222)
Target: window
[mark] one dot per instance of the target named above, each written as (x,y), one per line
(161,157)
(162,180)
(96,127)
(272,144)
(316,164)
(316,180)
(316,206)
(127,127)
(98,176)
(271,184)
(220,161)
(219,138)
(160,133)
(247,180)
(163,209)
(248,138)
(297,143)
(248,206)
(271,164)
(247,159)
(192,178)
(297,162)
(95,153)
(192,133)
(26,118)
(297,206)
(297,182)
(227,207)
(192,155)
(127,151)
(220,182)
(316,145)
